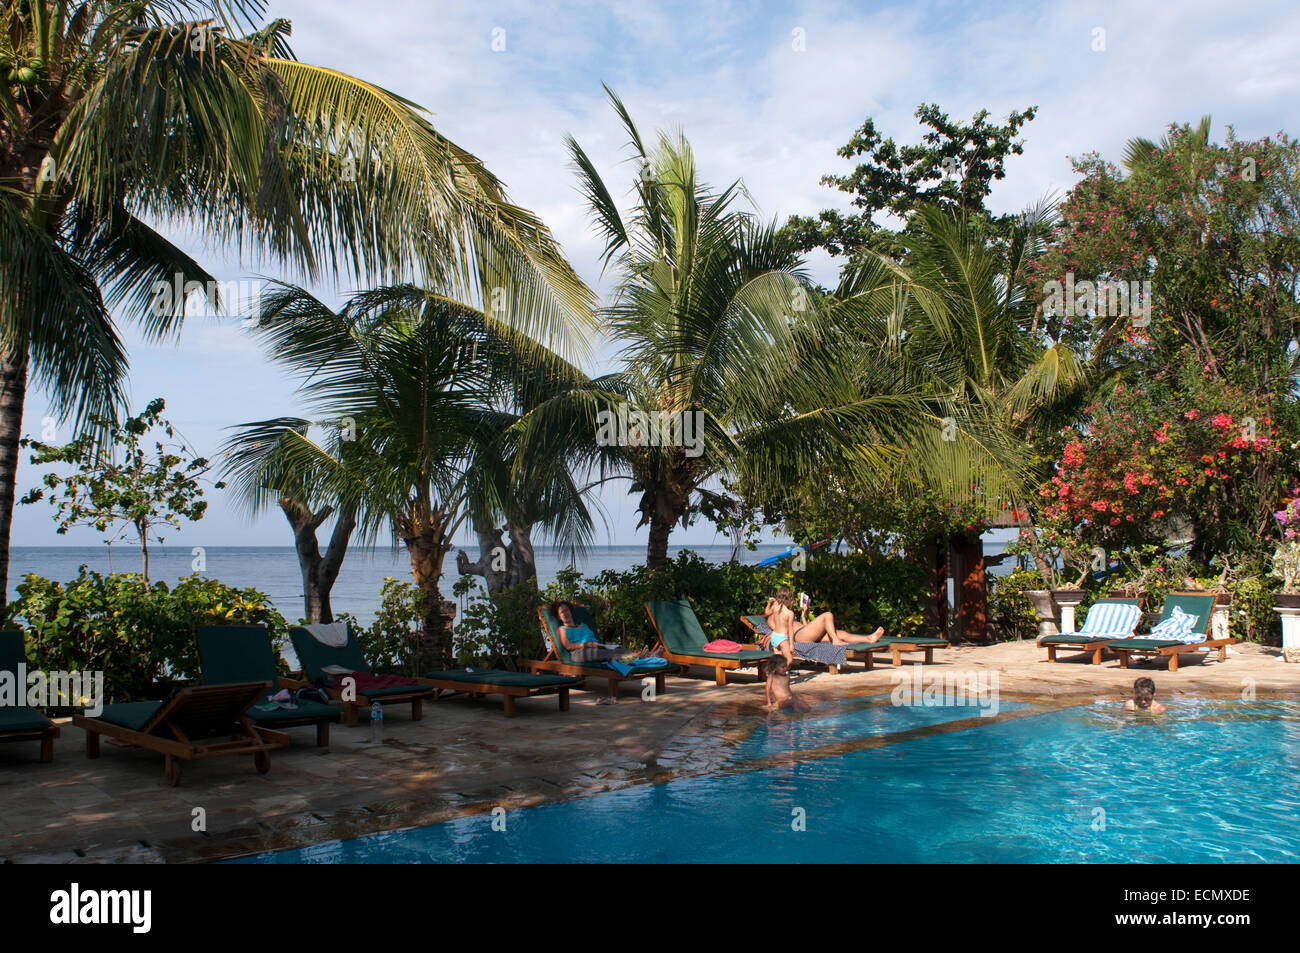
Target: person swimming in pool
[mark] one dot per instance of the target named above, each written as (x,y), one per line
(581,642)
(1144,698)
(779,613)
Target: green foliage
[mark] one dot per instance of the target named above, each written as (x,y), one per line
(393,642)
(135,633)
(1010,615)
(495,629)
(118,483)
(953,167)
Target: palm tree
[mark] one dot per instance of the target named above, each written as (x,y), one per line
(121,118)
(722,338)
(414,383)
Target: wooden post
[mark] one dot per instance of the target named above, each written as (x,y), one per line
(972,602)
(934,559)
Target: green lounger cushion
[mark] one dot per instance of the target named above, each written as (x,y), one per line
(683,635)
(1200,606)
(132,715)
(497,676)
(582,616)
(231,654)
(1074,638)
(306,709)
(11,651)
(21,718)
(1151,645)
(315,656)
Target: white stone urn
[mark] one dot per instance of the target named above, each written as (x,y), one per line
(1067,600)
(1287,605)
(1045,609)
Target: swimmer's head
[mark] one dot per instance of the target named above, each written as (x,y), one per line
(1144,692)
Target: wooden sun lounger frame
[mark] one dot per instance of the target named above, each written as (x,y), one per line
(248,738)
(865,652)
(720,666)
(508,692)
(45,735)
(551,662)
(1095,645)
(1174,649)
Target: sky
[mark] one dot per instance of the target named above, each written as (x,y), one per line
(766,93)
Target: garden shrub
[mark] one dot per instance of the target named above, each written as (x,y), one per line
(140,636)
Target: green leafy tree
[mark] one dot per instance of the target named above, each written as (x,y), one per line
(722,341)
(121,485)
(121,119)
(417,380)
(953,167)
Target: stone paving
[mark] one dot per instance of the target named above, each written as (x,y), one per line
(465,757)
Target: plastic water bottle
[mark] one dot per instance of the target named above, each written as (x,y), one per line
(376,722)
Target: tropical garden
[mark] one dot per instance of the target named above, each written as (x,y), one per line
(1111,373)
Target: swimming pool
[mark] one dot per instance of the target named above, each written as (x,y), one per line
(1208,782)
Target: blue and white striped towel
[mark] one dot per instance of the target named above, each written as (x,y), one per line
(1178,628)
(1114,619)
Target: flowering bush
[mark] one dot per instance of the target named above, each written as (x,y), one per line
(1286,557)
(1149,465)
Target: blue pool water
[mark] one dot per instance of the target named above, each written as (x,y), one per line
(1208,782)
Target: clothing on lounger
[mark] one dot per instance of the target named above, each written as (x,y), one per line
(596,652)
(823,652)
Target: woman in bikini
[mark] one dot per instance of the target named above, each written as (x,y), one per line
(780,619)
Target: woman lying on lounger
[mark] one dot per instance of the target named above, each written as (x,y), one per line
(780,619)
(581,642)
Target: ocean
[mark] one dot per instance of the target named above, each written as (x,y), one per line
(274,569)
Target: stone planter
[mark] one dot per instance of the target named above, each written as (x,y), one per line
(1045,609)
(1287,605)
(1067,600)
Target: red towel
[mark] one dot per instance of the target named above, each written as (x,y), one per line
(722,645)
(367,682)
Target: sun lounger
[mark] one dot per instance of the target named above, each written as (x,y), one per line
(204,721)
(808,651)
(1107,620)
(21,722)
(509,685)
(1198,604)
(315,657)
(558,660)
(682,639)
(865,652)
(231,654)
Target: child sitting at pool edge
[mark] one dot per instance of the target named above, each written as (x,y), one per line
(1144,697)
(779,693)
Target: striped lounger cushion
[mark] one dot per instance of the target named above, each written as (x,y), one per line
(1178,628)
(1116,620)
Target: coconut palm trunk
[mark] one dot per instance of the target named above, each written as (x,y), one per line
(13,392)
